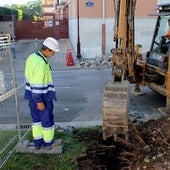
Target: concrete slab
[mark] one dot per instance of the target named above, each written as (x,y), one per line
(65,125)
(28,147)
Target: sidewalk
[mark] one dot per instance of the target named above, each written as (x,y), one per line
(58,62)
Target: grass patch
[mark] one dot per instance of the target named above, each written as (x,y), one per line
(72,148)
(6,136)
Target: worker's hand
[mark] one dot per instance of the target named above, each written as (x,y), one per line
(40,106)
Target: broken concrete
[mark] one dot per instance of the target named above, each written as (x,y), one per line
(28,147)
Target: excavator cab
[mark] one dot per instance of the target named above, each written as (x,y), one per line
(160,46)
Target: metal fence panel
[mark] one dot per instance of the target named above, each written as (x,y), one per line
(13,108)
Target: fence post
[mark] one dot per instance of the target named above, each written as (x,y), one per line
(36,44)
(16,95)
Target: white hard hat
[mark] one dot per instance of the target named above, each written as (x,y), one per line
(51,43)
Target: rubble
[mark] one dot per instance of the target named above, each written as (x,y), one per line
(98,62)
(148,148)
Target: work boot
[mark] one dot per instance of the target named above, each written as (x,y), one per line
(37,148)
(57,142)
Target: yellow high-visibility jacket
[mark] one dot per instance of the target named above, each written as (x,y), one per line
(39,85)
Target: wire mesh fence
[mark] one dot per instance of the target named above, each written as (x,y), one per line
(15,119)
(13,109)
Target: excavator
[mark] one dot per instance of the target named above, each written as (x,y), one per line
(129,66)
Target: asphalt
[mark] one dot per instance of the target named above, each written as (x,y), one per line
(60,59)
(58,62)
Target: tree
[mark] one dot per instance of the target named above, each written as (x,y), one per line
(6,13)
(31,10)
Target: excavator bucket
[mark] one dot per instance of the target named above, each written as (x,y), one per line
(115,109)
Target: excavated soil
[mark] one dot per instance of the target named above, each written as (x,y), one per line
(148,148)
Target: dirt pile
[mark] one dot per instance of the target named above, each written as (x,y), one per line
(148,148)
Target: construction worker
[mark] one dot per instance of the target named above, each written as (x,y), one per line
(168,31)
(40,92)
(165,40)
(168,36)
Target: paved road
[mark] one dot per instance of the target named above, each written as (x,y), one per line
(79,92)
(80,98)
(79,95)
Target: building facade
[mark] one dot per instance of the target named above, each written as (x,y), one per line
(96,23)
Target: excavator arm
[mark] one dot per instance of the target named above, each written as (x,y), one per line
(128,67)
(124,55)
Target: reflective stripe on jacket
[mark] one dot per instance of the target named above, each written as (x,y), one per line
(39,85)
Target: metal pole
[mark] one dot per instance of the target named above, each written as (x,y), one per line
(15,95)
(14,82)
(78,33)
(103,30)
(168,87)
(13,23)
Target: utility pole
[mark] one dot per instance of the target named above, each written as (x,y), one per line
(78,33)
(13,23)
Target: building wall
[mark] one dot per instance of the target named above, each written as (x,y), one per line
(49,6)
(7,27)
(91,12)
(92,18)
(145,7)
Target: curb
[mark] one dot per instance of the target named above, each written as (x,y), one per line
(64,125)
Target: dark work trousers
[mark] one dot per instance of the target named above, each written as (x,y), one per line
(45,116)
